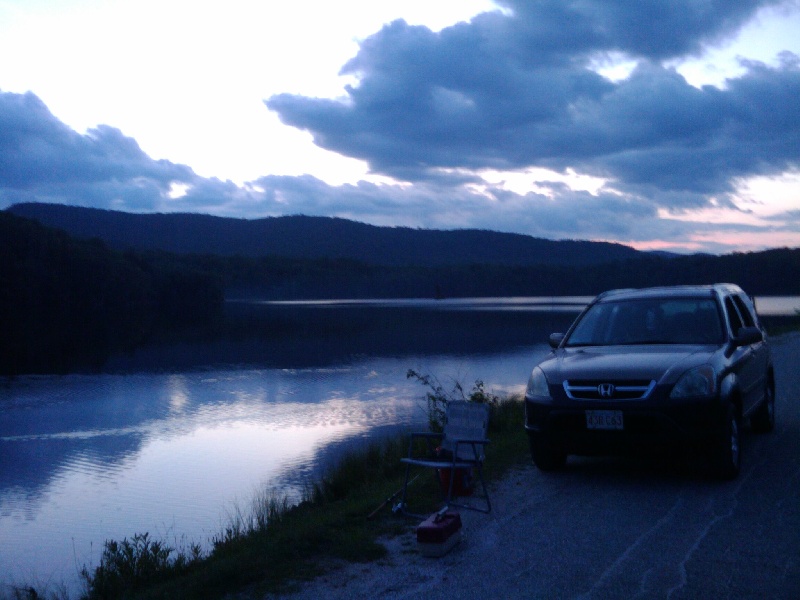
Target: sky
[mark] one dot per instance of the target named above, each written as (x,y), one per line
(659,124)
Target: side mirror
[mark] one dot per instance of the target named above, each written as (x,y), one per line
(747,336)
(556,339)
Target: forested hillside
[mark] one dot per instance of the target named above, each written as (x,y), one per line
(302,237)
(67,303)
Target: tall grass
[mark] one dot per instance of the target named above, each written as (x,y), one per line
(359,471)
(266,508)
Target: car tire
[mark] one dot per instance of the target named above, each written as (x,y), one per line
(727,450)
(763,420)
(546,456)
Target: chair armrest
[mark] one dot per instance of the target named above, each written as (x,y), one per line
(426,434)
(483,441)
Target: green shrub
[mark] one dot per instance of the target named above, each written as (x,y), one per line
(130,565)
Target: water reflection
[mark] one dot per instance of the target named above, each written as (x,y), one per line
(303,334)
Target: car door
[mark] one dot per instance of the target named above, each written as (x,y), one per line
(760,360)
(745,359)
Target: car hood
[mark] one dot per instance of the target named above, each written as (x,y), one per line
(664,364)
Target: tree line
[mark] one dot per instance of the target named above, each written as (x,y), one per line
(67,303)
(771,272)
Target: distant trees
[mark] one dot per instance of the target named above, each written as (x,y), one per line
(773,272)
(66,303)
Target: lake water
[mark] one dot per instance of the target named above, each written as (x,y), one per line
(173,438)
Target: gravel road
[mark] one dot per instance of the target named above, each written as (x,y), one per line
(618,528)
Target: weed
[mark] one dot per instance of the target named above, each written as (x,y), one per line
(31,593)
(130,565)
(266,508)
(438,398)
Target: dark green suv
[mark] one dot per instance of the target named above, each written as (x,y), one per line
(656,367)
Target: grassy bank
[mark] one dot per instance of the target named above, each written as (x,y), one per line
(271,545)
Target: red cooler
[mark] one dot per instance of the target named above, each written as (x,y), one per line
(437,534)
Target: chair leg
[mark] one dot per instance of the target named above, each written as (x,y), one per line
(488,508)
(448,497)
(405,491)
(485,491)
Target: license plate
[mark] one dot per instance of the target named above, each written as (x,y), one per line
(603,419)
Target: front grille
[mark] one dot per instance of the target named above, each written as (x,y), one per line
(580,389)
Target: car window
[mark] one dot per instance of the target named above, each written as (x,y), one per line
(591,327)
(734,320)
(649,321)
(744,312)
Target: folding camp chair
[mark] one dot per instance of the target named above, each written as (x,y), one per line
(460,451)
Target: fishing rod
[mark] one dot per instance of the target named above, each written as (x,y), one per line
(391,498)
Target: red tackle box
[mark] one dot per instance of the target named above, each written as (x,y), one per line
(437,534)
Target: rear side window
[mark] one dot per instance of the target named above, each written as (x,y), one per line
(744,312)
(734,319)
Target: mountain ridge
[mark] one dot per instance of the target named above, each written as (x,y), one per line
(310,237)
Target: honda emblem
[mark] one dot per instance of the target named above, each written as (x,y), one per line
(606,390)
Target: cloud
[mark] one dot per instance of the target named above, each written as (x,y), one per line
(518,89)
(43,159)
(644,28)
(572,214)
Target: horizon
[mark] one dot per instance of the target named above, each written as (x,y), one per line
(675,133)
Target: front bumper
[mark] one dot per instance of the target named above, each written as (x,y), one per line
(657,422)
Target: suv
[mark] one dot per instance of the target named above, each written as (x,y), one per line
(657,367)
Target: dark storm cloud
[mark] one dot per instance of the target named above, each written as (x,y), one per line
(43,159)
(656,29)
(517,89)
(701,140)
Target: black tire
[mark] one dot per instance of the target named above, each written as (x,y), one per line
(763,420)
(545,455)
(727,453)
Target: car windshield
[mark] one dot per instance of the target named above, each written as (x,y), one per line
(649,321)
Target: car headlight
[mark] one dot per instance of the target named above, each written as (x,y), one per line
(537,385)
(695,383)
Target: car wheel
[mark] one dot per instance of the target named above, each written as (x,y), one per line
(545,455)
(763,420)
(727,453)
